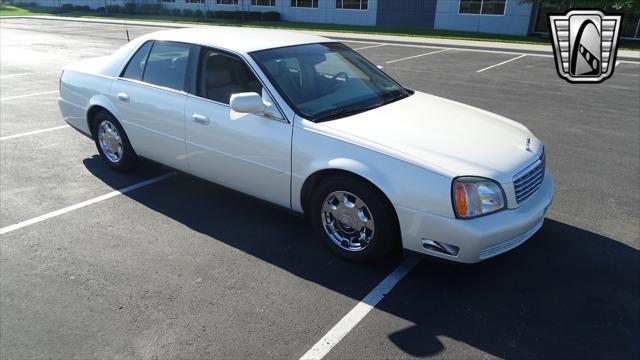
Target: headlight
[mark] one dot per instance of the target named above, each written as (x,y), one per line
(473,196)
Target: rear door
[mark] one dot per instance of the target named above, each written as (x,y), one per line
(247,152)
(150,97)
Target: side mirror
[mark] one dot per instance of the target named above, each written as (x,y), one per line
(247,103)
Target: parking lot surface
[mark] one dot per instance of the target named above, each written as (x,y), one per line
(182,268)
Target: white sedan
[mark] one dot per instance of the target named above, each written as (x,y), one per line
(306,123)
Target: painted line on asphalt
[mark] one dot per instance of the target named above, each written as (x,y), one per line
(353,317)
(502,63)
(417,56)
(33,132)
(35,220)
(27,95)
(370,47)
(27,73)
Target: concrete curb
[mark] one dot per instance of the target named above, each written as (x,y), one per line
(629,55)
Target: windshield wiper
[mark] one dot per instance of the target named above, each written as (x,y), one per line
(388,97)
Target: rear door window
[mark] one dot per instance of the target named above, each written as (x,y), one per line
(167,65)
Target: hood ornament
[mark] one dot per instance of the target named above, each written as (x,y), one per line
(528,144)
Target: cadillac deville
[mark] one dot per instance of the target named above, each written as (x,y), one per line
(306,123)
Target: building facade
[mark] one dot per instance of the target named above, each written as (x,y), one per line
(489,16)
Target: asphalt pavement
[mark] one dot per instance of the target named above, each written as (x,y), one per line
(183,268)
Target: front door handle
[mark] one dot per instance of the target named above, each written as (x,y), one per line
(200,119)
(123,97)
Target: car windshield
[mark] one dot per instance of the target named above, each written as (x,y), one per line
(327,80)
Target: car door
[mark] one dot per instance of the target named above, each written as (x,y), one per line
(150,99)
(250,153)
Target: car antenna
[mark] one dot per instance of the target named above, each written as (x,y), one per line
(126,30)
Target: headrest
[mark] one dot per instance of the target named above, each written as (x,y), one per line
(218,77)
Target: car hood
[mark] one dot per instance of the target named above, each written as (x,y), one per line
(443,136)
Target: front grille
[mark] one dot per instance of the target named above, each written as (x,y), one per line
(529,180)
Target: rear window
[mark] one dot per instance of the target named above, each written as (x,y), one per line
(135,68)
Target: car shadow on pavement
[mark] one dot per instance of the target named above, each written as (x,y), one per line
(566,293)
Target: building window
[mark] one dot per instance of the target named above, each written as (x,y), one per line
(168,1)
(304,3)
(352,4)
(195,1)
(227,2)
(485,7)
(263,2)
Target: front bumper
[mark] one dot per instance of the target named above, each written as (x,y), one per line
(480,238)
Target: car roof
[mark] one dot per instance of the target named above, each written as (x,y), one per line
(237,38)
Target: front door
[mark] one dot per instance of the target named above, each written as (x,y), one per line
(250,153)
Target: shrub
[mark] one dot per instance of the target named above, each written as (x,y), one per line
(130,8)
(224,14)
(176,12)
(187,13)
(165,12)
(198,14)
(100,10)
(66,8)
(254,15)
(113,9)
(151,9)
(81,8)
(271,16)
(237,15)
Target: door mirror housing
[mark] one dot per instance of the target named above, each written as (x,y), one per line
(249,102)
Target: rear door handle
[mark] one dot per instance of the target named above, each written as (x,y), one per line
(200,119)
(123,97)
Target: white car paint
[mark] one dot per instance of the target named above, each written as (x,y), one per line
(411,149)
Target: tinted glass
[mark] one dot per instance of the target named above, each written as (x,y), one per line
(167,65)
(136,64)
(329,80)
(470,6)
(493,7)
(222,75)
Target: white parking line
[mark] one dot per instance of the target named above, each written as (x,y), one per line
(33,132)
(417,56)
(27,73)
(370,47)
(353,317)
(502,63)
(27,95)
(52,214)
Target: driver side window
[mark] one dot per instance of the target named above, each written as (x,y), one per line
(222,75)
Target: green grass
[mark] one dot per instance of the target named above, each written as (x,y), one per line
(8,10)
(376,30)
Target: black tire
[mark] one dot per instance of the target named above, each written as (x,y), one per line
(386,235)
(128,159)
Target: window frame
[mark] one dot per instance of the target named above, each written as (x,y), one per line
(188,76)
(304,7)
(234,3)
(196,75)
(504,11)
(360,9)
(273,2)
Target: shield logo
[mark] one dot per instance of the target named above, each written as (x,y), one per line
(585,44)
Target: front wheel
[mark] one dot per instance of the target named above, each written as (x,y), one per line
(112,142)
(353,219)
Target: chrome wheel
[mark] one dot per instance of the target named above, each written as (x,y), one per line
(110,141)
(347,220)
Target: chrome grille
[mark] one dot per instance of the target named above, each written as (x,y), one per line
(529,180)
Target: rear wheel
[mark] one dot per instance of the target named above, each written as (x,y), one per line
(353,219)
(112,142)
